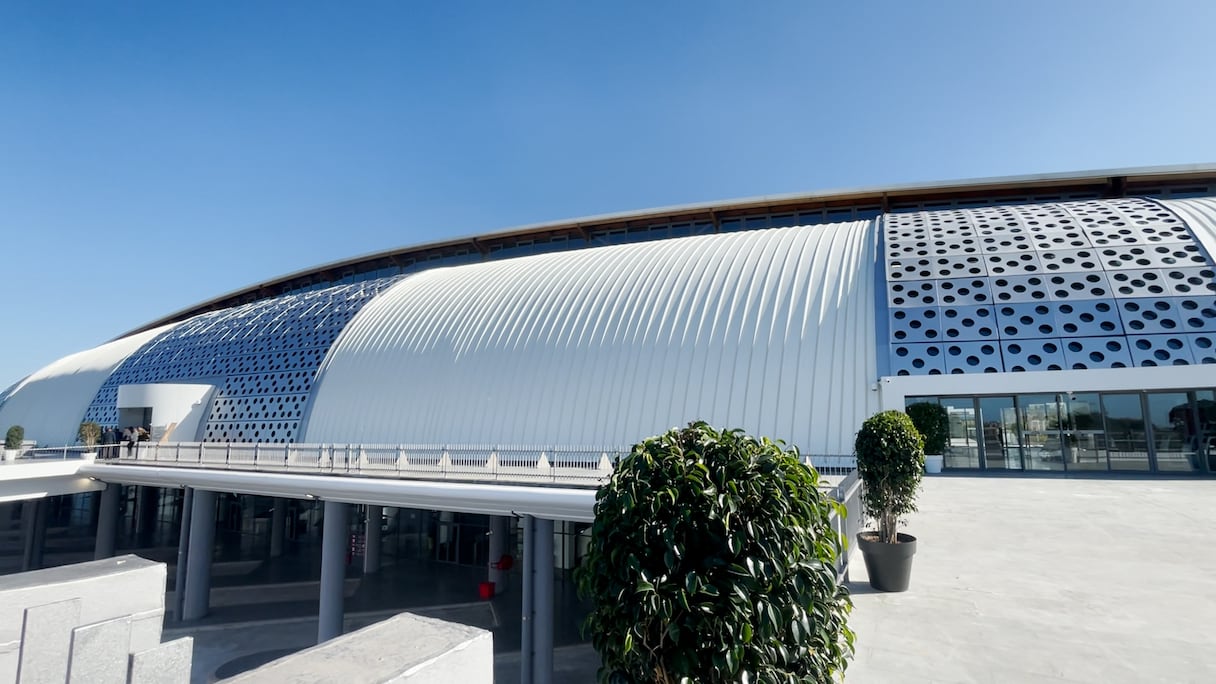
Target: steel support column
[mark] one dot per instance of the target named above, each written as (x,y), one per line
(371,542)
(334,541)
(500,533)
(278,524)
(536,647)
(107,522)
(183,553)
(197,590)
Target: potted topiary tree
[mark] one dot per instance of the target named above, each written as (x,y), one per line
(890,461)
(933,424)
(89,434)
(12,442)
(712,558)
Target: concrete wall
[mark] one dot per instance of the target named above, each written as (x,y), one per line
(403,649)
(94,622)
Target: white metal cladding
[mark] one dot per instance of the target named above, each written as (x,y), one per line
(771,331)
(51,403)
(1200,216)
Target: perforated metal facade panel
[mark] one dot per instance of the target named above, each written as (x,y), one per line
(262,358)
(1089,284)
(771,330)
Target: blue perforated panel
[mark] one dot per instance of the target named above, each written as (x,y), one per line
(1071,285)
(262,357)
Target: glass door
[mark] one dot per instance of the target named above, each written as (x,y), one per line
(1041,441)
(1001,438)
(1176,436)
(1081,435)
(962,451)
(1205,412)
(1126,431)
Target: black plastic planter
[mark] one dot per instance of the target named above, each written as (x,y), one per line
(888,565)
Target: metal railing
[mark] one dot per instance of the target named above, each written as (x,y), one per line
(847,493)
(62,453)
(506,464)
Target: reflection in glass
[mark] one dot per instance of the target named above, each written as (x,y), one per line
(1002,447)
(1205,410)
(1041,446)
(962,451)
(1175,431)
(1082,438)
(1126,434)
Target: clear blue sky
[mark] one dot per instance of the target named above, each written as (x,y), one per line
(155,154)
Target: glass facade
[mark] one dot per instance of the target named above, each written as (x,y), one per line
(1169,431)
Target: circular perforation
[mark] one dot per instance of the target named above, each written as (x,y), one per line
(1015,263)
(1152,256)
(963,323)
(1023,321)
(915,324)
(964,291)
(973,357)
(1088,318)
(1020,289)
(1070,260)
(1081,353)
(1145,282)
(1190,281)
(917,359)
(1070,286)
(1160,350)
(913,293)
(1144,316)
(1032,355)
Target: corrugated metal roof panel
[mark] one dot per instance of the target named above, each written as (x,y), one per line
(1200,215)
(50,403)
(772,331)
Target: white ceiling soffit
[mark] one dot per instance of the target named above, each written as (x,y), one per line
(771,331)
(1200,215)
(50,403)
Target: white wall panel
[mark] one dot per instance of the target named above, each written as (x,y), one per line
(771,331)
(50,403)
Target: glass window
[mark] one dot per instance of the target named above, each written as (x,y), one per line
(1176,437)
(1002,441)
(1083,440)
(1126,434)
(963,450)
(1041,436)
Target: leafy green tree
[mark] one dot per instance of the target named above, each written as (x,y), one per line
(14,437)
(890,461)
(933,424)
(712,559)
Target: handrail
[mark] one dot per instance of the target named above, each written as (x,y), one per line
(567,465)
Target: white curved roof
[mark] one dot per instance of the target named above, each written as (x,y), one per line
(1200,215)
(772,331)
(50,403)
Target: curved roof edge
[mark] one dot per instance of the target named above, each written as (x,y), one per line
(1111,182)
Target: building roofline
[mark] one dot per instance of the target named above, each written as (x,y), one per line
(1114,182)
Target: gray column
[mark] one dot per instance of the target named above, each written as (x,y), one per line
(371,549)
(197,590)
(33,523)
(499,540)
(183,553)
(107,522)
(542,603)
(528,612)
(334,540)
(147,510)
(278,523)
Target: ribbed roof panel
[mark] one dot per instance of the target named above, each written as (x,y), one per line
(1200,215)
(50,403)
(772,331)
